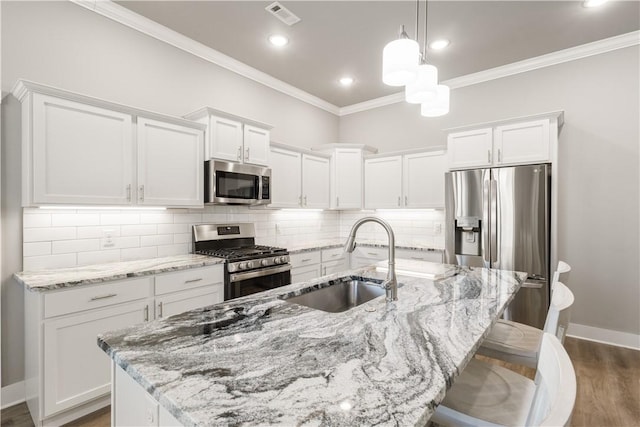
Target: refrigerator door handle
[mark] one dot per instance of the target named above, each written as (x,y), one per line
(486,251)
(494,220)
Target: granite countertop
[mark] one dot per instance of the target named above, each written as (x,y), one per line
(259,360)
(47,280)
(300,247)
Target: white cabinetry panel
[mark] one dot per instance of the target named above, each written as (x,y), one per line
(256,145)
(315,182)
(170,164)
(383,182)
(286,171)
(423,175)
(522,142)
(470,149)
(133,406)
(225,139)
(81,154)
(347,178)
(179,302)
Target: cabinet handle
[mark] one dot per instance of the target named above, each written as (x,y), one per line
(102,297)
(335,255)
(372,253)
(193,280)
(418,258)
(247,155)
(306,260)
(299,200)
(129,193)
(337,202)
(146,313)
(141,191)
(324,271)
(499,156)
(488,156)
(305,200)
(399,201)
(239,153)
(160,309)
(406,201)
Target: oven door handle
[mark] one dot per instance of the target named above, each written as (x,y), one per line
(238,277)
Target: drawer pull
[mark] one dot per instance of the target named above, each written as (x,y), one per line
(193,280)
(102,297)
(160,309)
(146,313)
(335,255)
(372,253)
(417,257)
(306,260)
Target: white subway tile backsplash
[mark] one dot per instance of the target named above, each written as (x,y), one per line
(48,234)
(182,238)
(98,257)
(187,218)
(37,220)
(72,246)
(138,253)
(156,218)
(119,218)
(170,250)
(98,231)
(138,230)
(173,228)
(33,263)
(75,219)
(36,248)
(127,242)
(159,239)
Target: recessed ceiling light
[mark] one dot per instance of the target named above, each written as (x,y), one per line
(278,40)
(439,44)
(346,81)
(593,3)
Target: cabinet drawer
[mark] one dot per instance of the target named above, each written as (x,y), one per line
(189,279)
(179,302)
(431,256)
(303,274)
(371,253)
(304,259)
(333,254)
(90,297)
(336,266)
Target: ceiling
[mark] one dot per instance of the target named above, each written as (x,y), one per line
(337,38)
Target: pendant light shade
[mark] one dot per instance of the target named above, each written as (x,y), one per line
(439,106)
(400,61)
(425,87)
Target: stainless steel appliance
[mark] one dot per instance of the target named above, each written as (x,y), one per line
(236,184)
(249,268)
(500,218)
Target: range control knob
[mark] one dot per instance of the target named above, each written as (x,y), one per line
(283,259)
(264,262)
(232,268)
(242,266)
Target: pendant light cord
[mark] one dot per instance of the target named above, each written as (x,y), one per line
(426,20)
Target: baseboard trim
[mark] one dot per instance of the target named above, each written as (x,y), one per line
(604,336)
(12,394)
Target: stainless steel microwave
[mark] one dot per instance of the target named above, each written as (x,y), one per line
(230,183)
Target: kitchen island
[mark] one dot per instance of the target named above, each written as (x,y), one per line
(260,360)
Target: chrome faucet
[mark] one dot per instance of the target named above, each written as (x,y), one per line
(391,283)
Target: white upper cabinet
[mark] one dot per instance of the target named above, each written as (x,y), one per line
(423,179)
(315,181)
(300,180)
(79,154)
(523,140)
(383,182)
(234,138)
(413,180)
(347,178)
(170,159)
(78,150)
(286,184)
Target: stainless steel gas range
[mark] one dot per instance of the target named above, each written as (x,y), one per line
(250,268)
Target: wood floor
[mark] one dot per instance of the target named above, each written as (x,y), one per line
(608,389)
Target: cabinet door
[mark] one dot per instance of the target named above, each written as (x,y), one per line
(170,164)
(179,302)
(132,405)
(347,179)
(336,266)
(315,182)
(423,175)
(75,368)
(225,139)
(383,182)
(256,145)
(286,171)
(304,274)
(470,149)
(81,154)
(522,143)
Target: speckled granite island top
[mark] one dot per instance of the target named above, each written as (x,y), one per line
(300,247)
(259,360)
(47,280)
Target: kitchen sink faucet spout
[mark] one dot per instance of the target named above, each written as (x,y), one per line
(391,283)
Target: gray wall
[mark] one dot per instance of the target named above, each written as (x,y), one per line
(67,46)
(599,159)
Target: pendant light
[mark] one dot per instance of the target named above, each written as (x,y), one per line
(424,87)
(400,60)
(438,106)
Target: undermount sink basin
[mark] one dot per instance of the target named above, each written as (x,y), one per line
(342,296)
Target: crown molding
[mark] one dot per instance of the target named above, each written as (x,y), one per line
(554,58)
(124,16)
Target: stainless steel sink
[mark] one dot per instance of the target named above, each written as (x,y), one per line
(339,297)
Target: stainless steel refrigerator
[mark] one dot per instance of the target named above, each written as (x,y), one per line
(500,218)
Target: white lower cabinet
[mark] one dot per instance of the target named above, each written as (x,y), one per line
(363,256)
(431,256)
(66,374)
(311,265)
(133,406)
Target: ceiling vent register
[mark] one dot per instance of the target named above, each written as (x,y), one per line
(282,13)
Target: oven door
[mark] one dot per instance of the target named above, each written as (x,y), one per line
(251,282)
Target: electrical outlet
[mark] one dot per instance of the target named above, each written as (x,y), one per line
(107,238)
(437,228)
